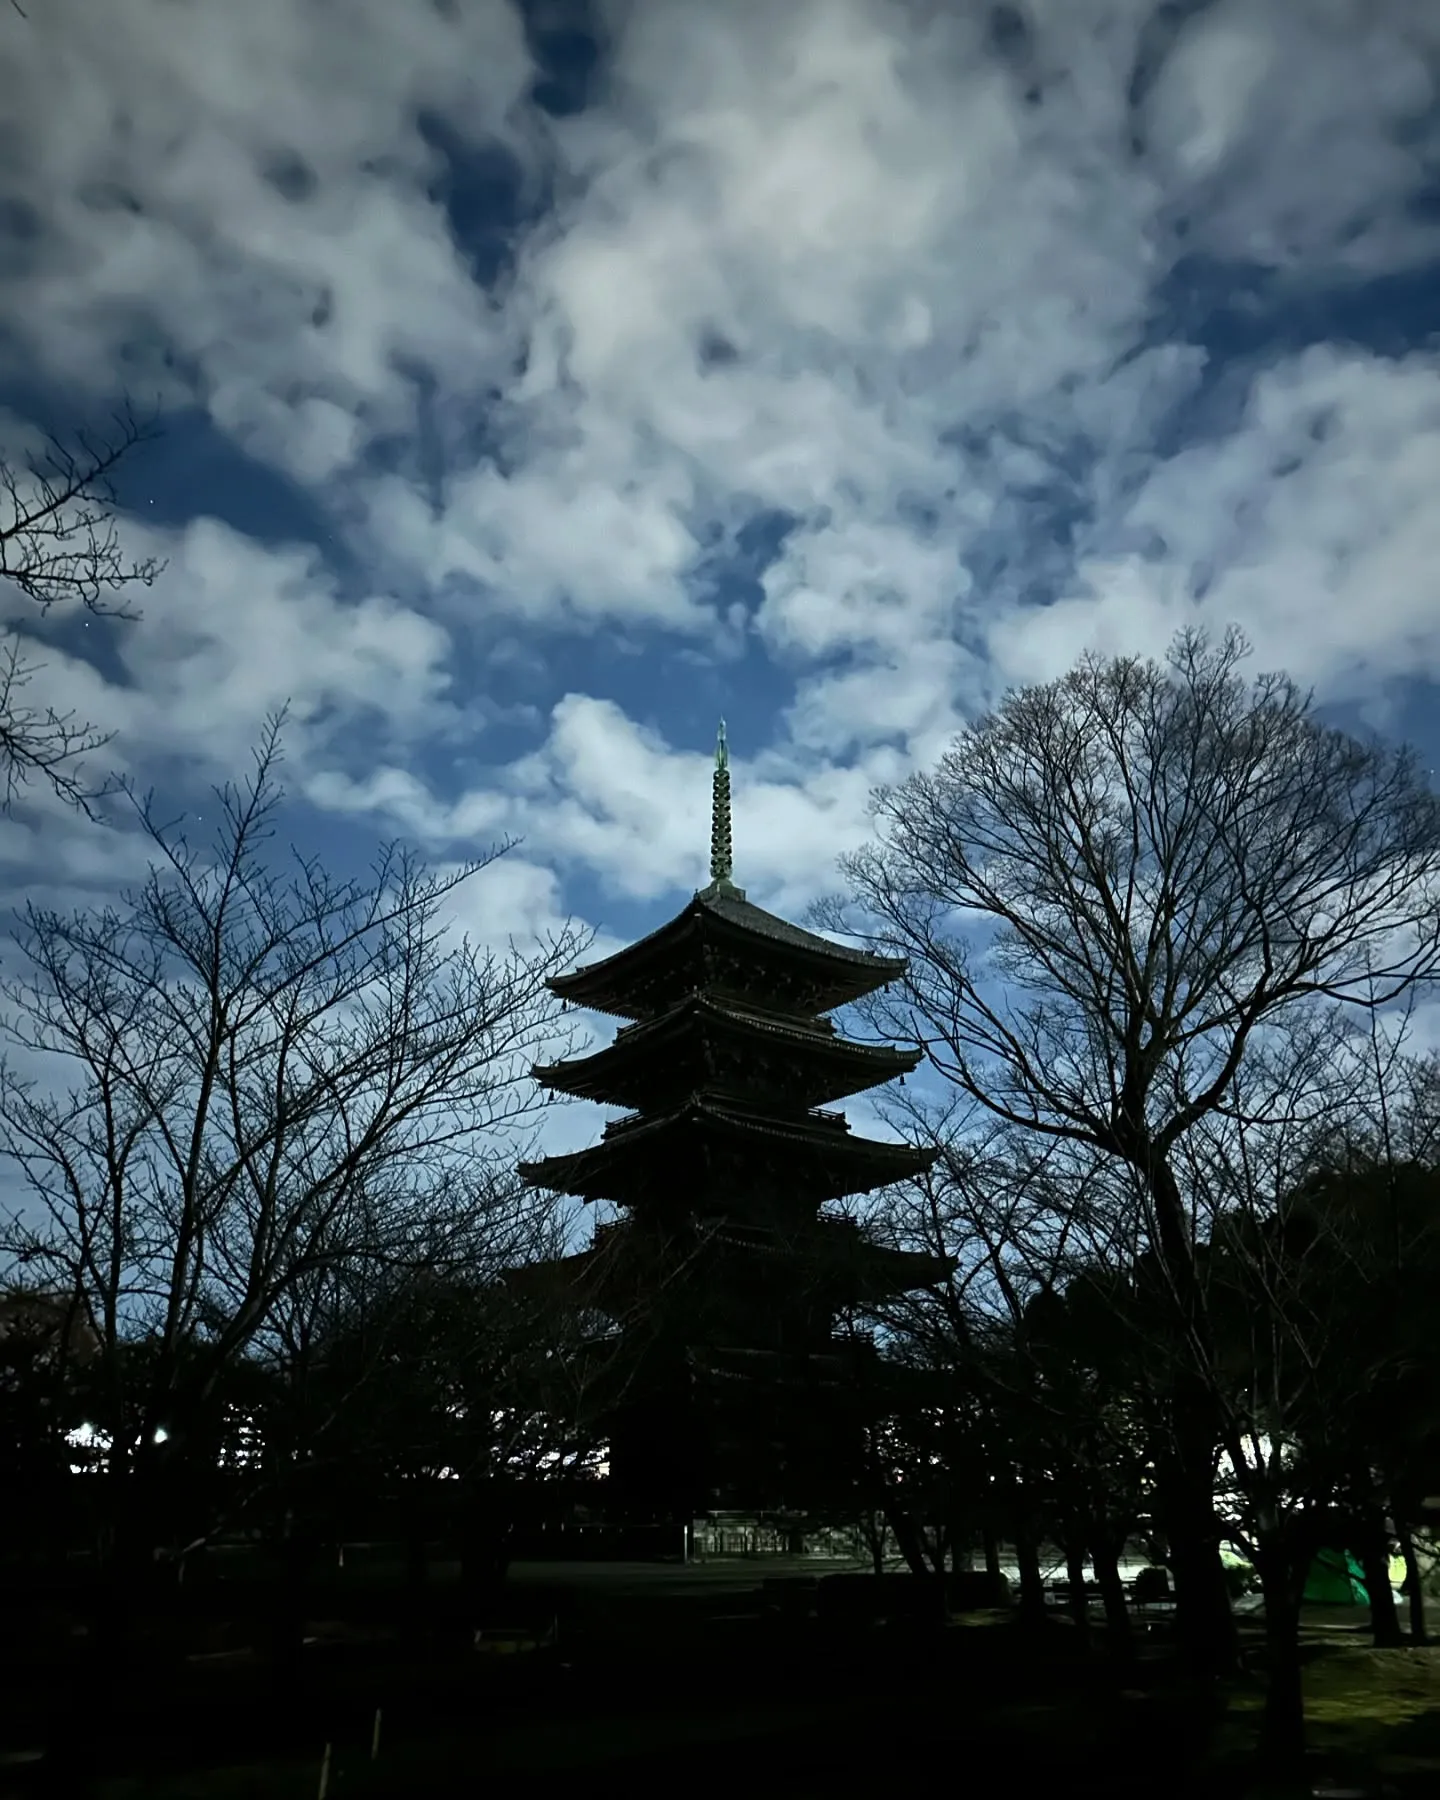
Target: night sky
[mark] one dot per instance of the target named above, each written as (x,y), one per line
(539,383)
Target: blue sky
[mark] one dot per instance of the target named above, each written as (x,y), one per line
(542,381)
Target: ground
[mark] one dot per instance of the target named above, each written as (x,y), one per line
(661,1671)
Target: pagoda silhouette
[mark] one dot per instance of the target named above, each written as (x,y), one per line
(723,1363)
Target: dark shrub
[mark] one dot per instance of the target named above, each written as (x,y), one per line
(976,1590)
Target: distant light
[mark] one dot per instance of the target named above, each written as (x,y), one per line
(86,1437)
(161,1434)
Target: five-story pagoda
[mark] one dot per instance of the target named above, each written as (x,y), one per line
(724,1276)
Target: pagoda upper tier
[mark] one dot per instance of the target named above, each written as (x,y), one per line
(734,950)
(705,1044)
(726,1061)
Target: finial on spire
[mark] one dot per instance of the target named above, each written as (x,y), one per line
(720,851)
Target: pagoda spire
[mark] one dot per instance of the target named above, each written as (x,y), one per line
(721,853)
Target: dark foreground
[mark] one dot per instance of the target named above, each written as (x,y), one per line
(646,1674)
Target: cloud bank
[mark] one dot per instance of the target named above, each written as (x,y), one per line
(593,370)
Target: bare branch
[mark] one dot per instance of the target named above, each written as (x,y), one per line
(58,538)
(60,545)
(1111,886)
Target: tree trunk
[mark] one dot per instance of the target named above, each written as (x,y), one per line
(1032,1583)
(484,1559)
(488,1517)
(417,1535)
(417,1570)
(124,1585)
(1079,1602)
(84,1710)
(908,1539)
(1282,1730)
(1204,1621)
(289,1598)
(1118,1630)
(992,1554)
(119,1587)
(875,1534)
(1415,1593)
(417,1560)
(1374,1548)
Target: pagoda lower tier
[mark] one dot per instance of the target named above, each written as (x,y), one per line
(817,1269)
(692,1427)
(731,1428)
(722,1381)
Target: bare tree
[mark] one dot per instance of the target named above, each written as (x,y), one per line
(60,547)
(1107,891)
(1023,1219)
(269,1079)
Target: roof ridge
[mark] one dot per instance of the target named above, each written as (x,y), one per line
(799,936)
(732,909)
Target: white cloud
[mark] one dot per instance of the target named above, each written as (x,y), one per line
(233,630)
(915,699)
(601,793)
(511,897)
(1292,133)
(558,538)
(62,860)
(872,229)
(243,188)
(1313,524)
(864,584)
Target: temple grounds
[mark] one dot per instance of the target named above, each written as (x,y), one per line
(616,1672)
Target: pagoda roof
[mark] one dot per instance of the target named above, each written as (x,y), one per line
(839,1163)
(622,1072)
(871,1271)
(721,914)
